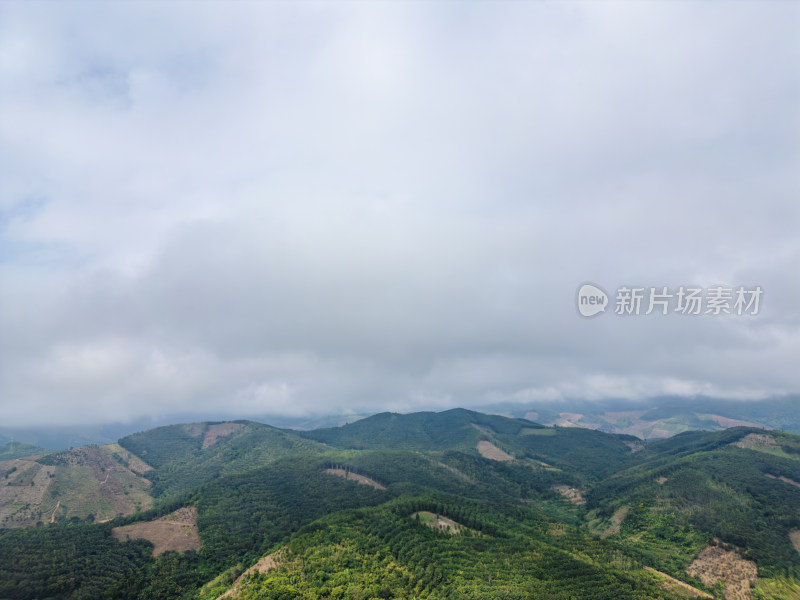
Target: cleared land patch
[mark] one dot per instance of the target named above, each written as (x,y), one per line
(572,494)
(715,563)
(93,481)
(193,429)
(794,535)
(176,531)
(616,521)
(355,477)
(728,422)
(128,459)
(214,433)
(492,452)
(676,585)
(483,428)
(756,440)
(784,479)
(269,562)
(438,522)
(661,480)
(23,484)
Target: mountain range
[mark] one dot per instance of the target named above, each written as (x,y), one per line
(456,504)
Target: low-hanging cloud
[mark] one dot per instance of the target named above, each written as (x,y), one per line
(297,209)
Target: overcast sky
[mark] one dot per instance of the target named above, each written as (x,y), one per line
(296,208)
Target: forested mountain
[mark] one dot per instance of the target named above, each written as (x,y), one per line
(456,504)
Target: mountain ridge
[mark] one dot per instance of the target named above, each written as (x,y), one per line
(606,507)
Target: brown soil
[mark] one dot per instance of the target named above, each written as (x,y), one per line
(176,531)
(214,433)
(355,477)
(715,563)
(784,479)
(440,522)
(756,440)
(492,452)
(794,535)
(21,502)
(572,494)
(53,514)
(269,562)
(616,521)
(662,480)
(676,585)
(566,419)
(113,481)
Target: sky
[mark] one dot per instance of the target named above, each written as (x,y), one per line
(301,208)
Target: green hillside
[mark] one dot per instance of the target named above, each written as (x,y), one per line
(506,552)
(183,458)
(429,505)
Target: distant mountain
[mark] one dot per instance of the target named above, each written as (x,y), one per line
(14,450)
(658,418)
(456,504)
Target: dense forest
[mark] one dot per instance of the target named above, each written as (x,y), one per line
(429,505)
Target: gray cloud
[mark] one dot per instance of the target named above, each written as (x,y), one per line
(265,208)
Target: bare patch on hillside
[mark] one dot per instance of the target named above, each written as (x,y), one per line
(23,483)
(756,440)
(438,522)
(129,459)
(715,563)
(492,452)
(727,422)
(784,479)
(176,531)
(635,446)
(794,536)
(194,429)
(266,564)
(93,482)
(676,585)
(214,433)
(572,494)
(616,521)
(661,480)
(567,419)
(355,477)
(483,428)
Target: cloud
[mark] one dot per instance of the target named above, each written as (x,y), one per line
(264,208)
